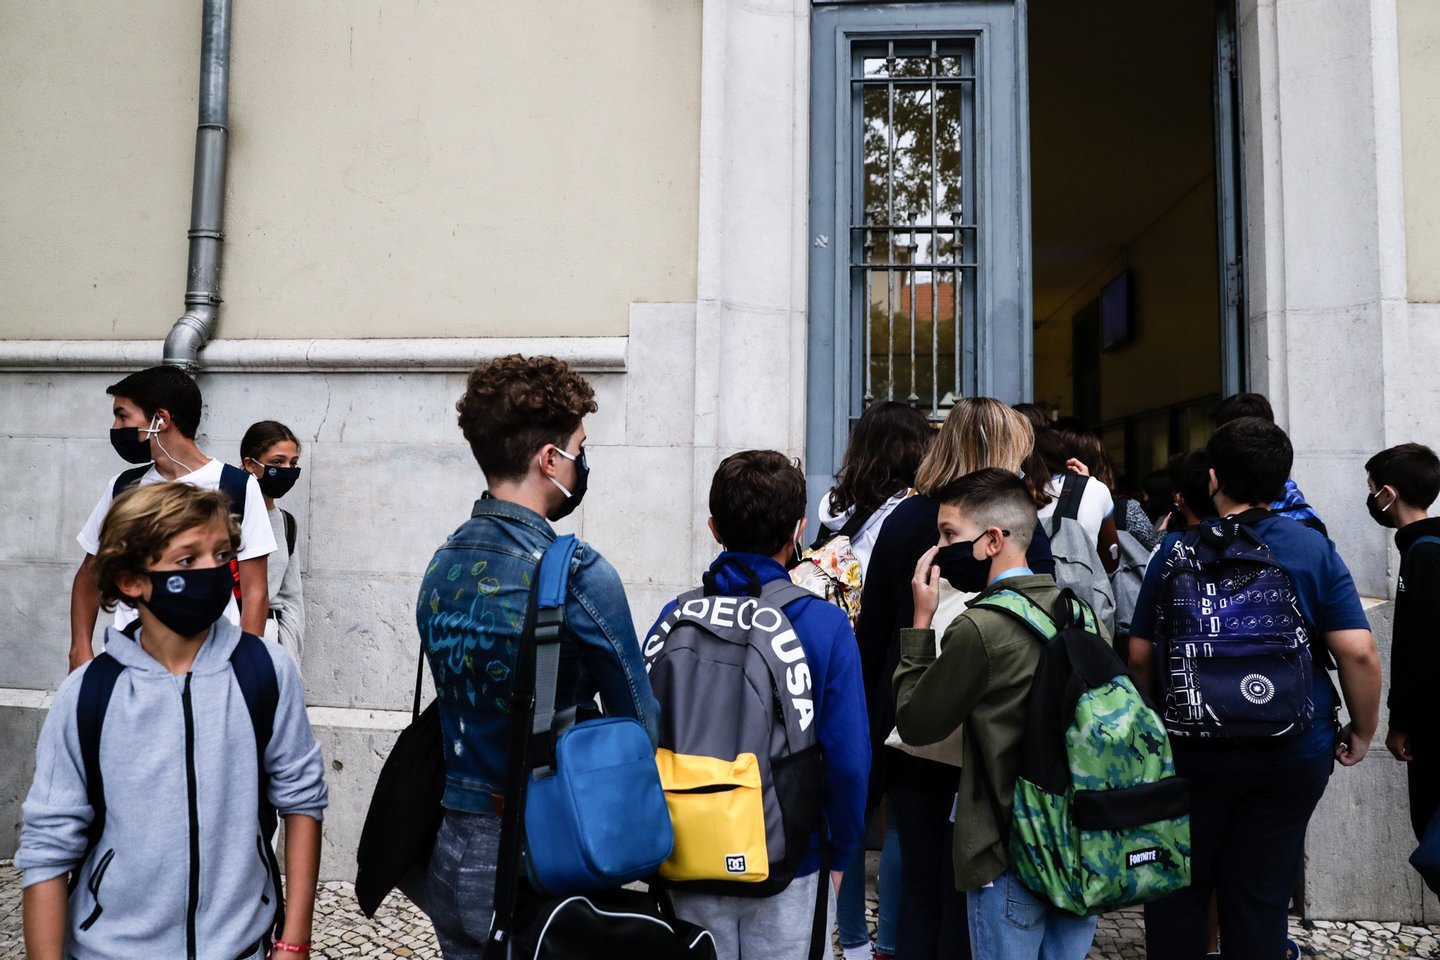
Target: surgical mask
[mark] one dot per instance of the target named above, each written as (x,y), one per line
(275,481)
(133,443)
(189,601)
(1377,512)
(960,567)
(582,483)
(795,542)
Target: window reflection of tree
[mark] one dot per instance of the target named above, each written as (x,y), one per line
(913,155)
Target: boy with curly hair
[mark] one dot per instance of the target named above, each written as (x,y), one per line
(524,420)
(166,848)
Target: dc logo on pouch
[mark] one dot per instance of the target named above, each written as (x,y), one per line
(1258,689)
(735,863)
(175,584)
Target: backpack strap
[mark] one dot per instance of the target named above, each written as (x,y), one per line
(538,643)
(255,673)
(1427,539)
(782,593)
(234,482)
(96,686)
(1070,610)
(291,531)
(551,584)
(1017,606)
(128,478)
(1067,506)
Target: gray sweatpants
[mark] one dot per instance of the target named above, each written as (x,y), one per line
(760,928)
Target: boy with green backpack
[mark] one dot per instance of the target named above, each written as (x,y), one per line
(1068,804)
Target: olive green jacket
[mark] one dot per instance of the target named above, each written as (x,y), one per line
(982,679)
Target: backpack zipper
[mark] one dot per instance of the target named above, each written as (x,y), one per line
(192,904)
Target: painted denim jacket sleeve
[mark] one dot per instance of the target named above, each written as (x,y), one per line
(598,615)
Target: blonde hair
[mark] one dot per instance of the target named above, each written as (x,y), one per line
(143,520)
(980,432)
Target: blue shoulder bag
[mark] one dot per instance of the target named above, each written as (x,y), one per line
(594,812)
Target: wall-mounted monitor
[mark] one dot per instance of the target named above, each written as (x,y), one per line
(1117,316)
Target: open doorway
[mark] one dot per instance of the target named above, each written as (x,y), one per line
(1133,301)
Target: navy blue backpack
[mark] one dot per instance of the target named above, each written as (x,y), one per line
(1233,652)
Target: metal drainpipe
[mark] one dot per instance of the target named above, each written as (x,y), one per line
(207,200)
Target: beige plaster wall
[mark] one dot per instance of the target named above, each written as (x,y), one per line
(1419,31)
(1176,353)
(441,168)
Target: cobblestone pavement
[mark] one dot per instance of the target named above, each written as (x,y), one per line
(399,930)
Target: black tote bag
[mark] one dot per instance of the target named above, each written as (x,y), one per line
(405,812)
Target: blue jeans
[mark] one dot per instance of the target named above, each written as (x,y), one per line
(850,904)
(1008,922)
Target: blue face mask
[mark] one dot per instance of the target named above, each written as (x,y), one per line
(189,601)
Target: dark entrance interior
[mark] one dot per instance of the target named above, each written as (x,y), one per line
(1128,301)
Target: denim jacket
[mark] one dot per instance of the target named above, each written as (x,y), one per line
(471,613)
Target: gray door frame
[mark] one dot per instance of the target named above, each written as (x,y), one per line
(1002,325)
(1230,202)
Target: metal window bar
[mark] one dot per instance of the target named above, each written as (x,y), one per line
(903,240)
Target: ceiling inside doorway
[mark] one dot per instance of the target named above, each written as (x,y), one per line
(1121,129)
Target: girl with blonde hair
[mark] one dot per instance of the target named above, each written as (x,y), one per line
(979,432)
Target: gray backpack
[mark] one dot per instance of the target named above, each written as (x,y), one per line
(1077,560)
(1126,580)
(738,757)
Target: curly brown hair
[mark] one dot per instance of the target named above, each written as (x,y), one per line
(515,405)
(143,520)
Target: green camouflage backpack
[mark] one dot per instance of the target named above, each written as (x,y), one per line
(1100,820)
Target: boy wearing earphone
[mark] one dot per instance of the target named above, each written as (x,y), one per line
(157,412)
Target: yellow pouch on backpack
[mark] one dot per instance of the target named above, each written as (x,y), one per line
(718,812)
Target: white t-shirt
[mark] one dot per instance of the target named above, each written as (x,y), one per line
(256,537)
(1095,505)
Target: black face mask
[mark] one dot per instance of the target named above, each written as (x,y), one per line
(1379,515)
(131,443)
(959,567)
(582,483)
(189,601)
(275,482)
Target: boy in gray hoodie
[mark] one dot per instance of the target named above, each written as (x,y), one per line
(165,848)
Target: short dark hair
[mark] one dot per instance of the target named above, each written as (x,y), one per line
(163,388)
(1189,474)
(756,498)
(1242,405)
(515,405)
(1251,458)
(994,498)
(1411,468)
(263,435)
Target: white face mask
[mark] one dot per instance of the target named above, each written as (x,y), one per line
(795,542)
